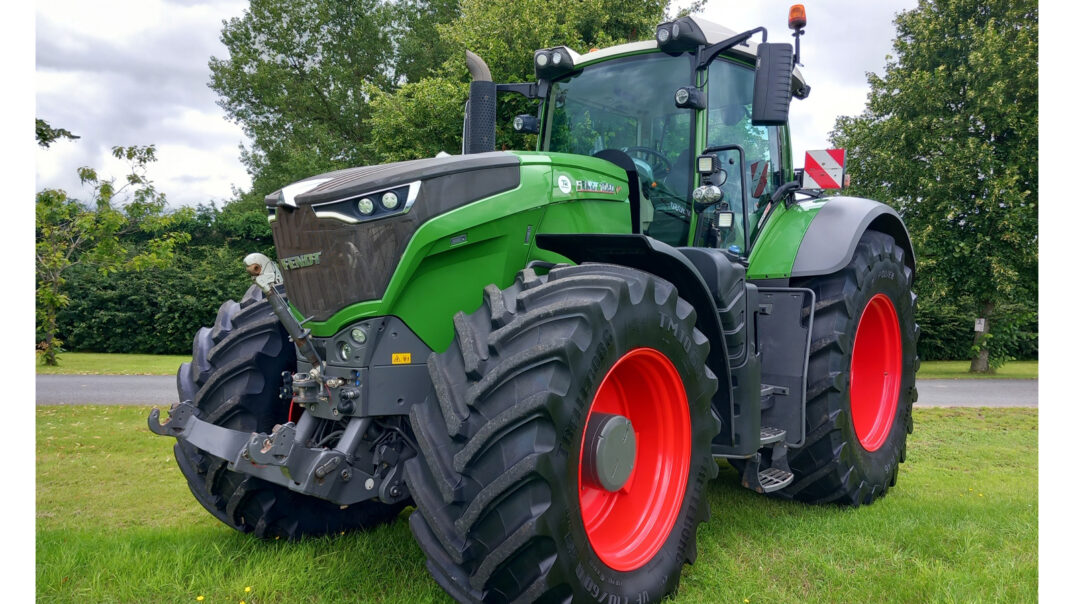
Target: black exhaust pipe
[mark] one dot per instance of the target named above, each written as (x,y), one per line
(479,121)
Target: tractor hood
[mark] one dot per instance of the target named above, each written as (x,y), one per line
(339,236)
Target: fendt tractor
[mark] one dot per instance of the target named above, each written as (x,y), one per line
(545,352)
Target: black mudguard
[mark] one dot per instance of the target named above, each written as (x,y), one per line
(832,236)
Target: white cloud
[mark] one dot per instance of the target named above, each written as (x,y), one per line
(135,73)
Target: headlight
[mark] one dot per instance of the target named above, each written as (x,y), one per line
(358,335)
(390,201)
(365,206)
(345,351)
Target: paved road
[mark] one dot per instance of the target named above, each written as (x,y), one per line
(977,393)
(160,390)
(106,390)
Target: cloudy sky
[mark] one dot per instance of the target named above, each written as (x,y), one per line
(134,72)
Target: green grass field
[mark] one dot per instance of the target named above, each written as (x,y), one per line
(954,370)
(101,363)
(116,523)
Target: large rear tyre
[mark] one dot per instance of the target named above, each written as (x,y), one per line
(568,447)
(863,357)
(234,380)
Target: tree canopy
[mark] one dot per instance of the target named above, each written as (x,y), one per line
(319,85)
(949,137)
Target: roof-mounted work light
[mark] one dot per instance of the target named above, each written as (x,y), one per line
(679,36)
(550,63)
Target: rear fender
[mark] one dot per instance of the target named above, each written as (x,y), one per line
(828,244)
(818,237)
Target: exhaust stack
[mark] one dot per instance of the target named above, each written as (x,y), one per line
(479,121)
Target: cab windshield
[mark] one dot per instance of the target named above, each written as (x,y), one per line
(628,104)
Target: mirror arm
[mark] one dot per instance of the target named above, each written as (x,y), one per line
(705,54)
(784,189)
(530,90)
(787,188)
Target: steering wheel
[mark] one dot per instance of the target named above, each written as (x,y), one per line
(660,163)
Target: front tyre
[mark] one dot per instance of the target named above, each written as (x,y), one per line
(567,450)
(234,380)
(863,357)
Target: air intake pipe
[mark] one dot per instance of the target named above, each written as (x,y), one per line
(479,121)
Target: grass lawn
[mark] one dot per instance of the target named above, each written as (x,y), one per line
(1014,370)
(116,523)
(103,363)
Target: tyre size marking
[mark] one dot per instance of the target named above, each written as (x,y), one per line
(593,589)
(887,275)
(666,322)
(400,358)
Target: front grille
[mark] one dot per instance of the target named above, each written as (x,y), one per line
(357,261)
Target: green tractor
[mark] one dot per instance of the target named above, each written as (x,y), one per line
(545,352)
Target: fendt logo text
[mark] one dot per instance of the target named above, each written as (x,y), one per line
(300,261)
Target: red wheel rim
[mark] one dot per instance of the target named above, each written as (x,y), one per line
(626,528)
(875,372)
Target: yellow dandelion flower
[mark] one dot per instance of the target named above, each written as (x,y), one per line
(247,590)
(200,598)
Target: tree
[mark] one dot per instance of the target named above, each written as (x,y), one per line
(420,118)
(46,134)
(949,138)
(122,226)
(297,79)
(320,85)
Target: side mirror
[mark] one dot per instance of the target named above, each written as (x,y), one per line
(772,86)
(526,124)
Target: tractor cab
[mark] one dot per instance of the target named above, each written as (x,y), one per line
(707,162)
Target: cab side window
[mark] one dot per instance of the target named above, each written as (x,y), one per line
(729,119)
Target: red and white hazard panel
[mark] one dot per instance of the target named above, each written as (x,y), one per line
(824,169)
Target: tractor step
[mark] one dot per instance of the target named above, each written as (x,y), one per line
(771,435)
(775,473)
(773,479)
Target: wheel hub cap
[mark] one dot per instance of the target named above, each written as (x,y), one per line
(610,445)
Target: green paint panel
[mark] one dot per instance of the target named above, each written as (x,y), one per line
(451,258)
(774,253)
